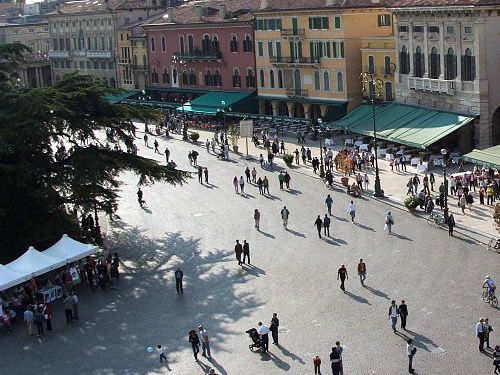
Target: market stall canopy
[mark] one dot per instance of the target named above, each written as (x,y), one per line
(489,157)
(69,249)
(34,263)
(402,123)
(9,278)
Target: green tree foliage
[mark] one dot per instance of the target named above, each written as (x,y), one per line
(42,189)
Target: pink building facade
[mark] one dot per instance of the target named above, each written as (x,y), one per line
(201,54)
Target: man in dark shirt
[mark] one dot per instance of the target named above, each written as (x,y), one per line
(246,251)
(275,323)
(238,249)
(178,280)
(318,224)
(403,313)
(326,225)
(342,274)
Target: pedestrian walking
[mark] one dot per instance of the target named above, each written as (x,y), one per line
(287,180)
(195,343)
(167,153)
(319,224)
(393,315)
(462,201)
(247,174)
(342,275)
(282,147)
(335,361)
(146,140)
(411,350)
(496,359)
(275,323)
(38,319)
(340,350)
(179,275)
(161,353)
(28,319)
(256,217)
(403,313)
(260,183)
(212,143)
(432,181)
(238,250)
(242,185)
(451,224)
(297,158)
(76,305)
(351,210)
(265,182)
(246,251)
(206,175)
(205,342)
(47,312)
(261,161)
(139,197)
(317,365)
(263,331)
(68,308)
(328,204)
(200,175)
(487,330)
(389,222)
(326,225)
(235,184)
(281,179)
(362,272)
(254,175)
(366,181)
(156,144)
(207,145)
(284,215)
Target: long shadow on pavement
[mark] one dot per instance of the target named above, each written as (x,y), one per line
(424,342)
(265,233)
(295,233)
(291,355)
(401,237)
(378,293)
(357,298)
(268,356)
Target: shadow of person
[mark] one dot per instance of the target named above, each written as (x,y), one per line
(205,368)
(365,227)
(291,355)
(253,270)
(265,233)
(357,298)
(246,195)
(339,218)
(146,210)
(221,370)
(294,192)
(377,292)
(401,237)
(330,240)
(268,356)
(295,233)
(272,197)
(424,342)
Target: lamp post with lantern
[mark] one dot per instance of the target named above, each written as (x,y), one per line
(444,152)
(320,134)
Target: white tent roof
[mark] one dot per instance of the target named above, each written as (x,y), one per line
(35,263)
(10,278)
(69,249)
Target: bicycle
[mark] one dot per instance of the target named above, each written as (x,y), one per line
(494,244)
(436,219)
(490,298)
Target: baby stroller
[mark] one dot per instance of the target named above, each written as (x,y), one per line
(254,335)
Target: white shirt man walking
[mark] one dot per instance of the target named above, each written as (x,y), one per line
(205,343)
(351,210)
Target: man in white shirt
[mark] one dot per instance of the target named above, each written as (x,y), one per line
(410,351)
(480,334)
(205,344)
(393,315)
(351,210)
(264,336)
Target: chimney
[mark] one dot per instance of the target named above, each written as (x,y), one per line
(222,11)
(329,3)
(264,4)
(170,14)
(198,11)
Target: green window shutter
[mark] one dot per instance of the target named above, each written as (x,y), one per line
(311,49)
(270,49)
(320,49)
(310,23)
(379,18)
(292,53)
(325,22)
(337,22)
(278,49)
(278,24)
(261,49)
(260,24)
(342,49)
(335,50)
(327,45)
(300,49)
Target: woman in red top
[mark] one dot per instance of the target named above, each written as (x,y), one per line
(47,312)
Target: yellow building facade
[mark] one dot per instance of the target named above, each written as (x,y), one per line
(378,56)
(132,57)
(308,61)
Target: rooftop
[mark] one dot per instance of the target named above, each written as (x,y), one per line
(93,6)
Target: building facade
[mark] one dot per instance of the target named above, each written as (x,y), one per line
(378,56)
(36,70)
(83,34)
(209,47)
(132,57)
(448,58)
(308,55)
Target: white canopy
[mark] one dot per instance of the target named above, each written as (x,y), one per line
(35,263)
(69,249)
(10,278)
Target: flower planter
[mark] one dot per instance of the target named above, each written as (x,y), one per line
(411,209)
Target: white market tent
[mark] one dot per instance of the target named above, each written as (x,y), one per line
(34,263)
(10,278)
(69,249)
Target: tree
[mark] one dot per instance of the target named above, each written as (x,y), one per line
(61,153)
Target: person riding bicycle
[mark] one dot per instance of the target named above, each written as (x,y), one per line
(490,284)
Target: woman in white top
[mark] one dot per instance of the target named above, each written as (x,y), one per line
(389,222)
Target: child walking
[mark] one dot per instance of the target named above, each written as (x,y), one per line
(161,352)
(317,365)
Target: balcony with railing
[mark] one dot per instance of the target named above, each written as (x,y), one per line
(199,55)
(280,60)
(297,93)
(433,85)
(99,54)
(59,54)
(292,34)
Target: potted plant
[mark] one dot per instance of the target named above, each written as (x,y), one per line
(345,166)
(234,134)
(194,136)
(411,203)
(288,159)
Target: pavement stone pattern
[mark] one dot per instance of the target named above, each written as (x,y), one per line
(293,273)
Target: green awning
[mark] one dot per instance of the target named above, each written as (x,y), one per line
(489,157)
(214,101)
(256,116)
(189,107)
(177,89)
(151,103)
(113,99)
(401,123)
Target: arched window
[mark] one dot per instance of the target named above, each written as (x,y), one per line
(205,45)
(271,79)
(215,44)
(233,44)
(371,64)
(166,77)
(247,44)
(192,77)
(388,91)
(154,76)
(317,86)
(181,45)
(262,78)
(209,80)
(404,61)
(250,78)
(163,44)
(326,80)
(190,44)
(236,78)
(217,78)
(435,68)
(450,64)
(418,63)
(468,66)
(153,44)
(340,82)
(280,79)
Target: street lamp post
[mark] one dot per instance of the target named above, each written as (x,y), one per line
(320,134)
(375,86)
(444,152)
(181,63)
(223,103)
